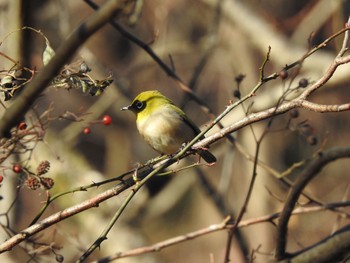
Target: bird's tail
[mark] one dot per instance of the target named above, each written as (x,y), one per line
(207,156)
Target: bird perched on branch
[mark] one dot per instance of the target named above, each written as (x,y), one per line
(163,125)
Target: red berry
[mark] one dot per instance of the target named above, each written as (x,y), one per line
(22,125)
(87,130)
(1,179)
(107,120)
(17,168)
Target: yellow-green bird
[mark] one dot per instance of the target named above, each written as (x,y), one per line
(164,126)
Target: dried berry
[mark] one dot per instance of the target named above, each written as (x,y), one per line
(33,183)
(43,168)
(239,78)
(47,182)
(294,113)
(303,83)
(237,94)
(283,74)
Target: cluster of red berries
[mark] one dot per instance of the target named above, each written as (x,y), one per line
(36,180)
(106,120)
(17,168)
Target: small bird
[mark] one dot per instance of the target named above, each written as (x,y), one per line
(164,126)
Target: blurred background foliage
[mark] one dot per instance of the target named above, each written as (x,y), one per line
(185,35)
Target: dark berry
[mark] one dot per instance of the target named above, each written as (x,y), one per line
(237,94)
(283,74)
(239,78)
(303,83)
(294,113)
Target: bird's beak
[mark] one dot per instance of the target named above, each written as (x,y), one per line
(125,108)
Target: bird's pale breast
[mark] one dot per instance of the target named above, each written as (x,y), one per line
(165,130)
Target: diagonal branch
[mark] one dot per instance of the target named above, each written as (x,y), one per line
(299,102)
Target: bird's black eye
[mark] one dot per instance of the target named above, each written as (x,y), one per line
(139,105)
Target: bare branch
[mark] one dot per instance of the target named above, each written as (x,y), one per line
(327,250)
(211,229)
(303,179)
